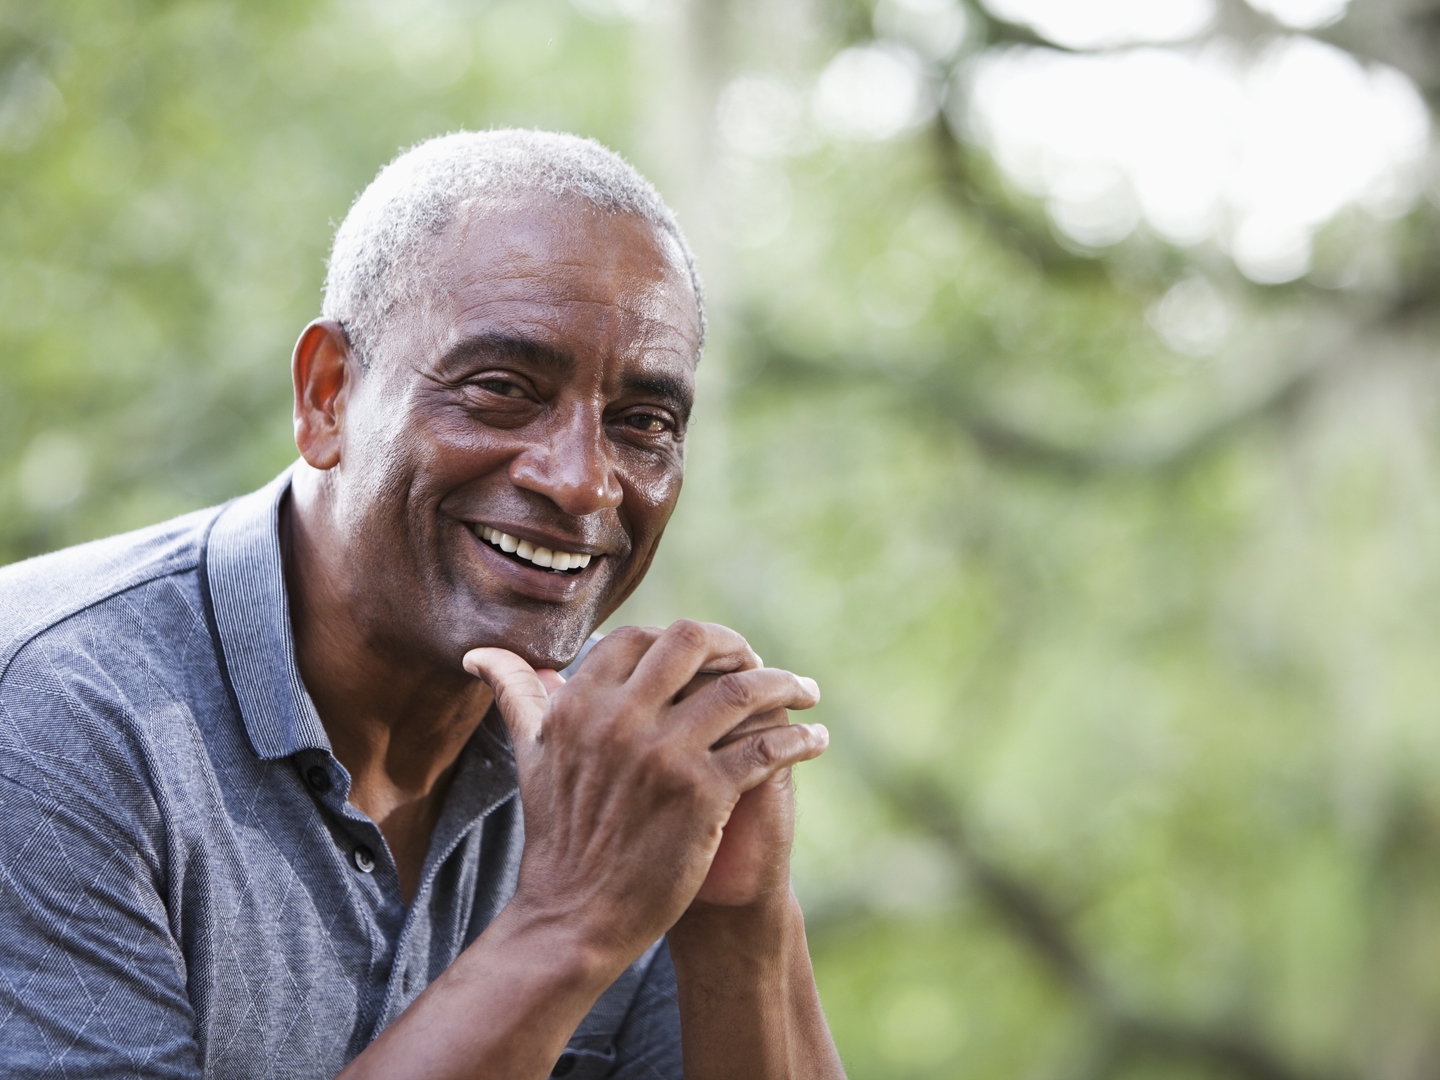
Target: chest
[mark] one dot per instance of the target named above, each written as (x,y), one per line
(299,947)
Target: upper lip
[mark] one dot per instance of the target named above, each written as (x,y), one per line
(543,539)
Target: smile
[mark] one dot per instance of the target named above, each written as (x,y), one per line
(555,561)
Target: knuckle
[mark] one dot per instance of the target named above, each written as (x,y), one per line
(763,750)
(515,697)
(735,691)
(689,634)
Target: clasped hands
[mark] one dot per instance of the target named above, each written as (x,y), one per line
(656,779)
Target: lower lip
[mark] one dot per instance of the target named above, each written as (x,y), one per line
(537,583)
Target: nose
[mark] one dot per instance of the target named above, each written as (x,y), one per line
(571,464)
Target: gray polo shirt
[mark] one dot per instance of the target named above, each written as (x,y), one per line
(185,890)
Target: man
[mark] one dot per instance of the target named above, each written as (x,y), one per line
(259,766)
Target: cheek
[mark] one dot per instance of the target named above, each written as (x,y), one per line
(445,450)
(650,499)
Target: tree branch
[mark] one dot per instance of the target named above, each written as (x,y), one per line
(961,179)
(1009,444)
(1025,911)
(1126,1035)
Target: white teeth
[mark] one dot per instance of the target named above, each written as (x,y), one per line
(540,556)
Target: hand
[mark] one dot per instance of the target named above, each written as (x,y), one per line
(625,791)
(754,855)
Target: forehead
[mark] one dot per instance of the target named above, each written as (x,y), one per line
(568,275)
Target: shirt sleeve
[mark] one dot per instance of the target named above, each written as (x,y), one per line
(92,983)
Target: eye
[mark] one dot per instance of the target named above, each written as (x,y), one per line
(650,423)
(503,387)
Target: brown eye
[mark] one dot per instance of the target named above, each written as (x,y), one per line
(648,423)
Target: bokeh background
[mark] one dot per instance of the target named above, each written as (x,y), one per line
(1071,416)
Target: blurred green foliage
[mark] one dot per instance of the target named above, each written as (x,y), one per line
(1128,655)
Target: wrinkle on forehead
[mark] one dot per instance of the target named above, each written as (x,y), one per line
(566,241)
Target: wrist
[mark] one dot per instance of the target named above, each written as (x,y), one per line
(532,974)
(756,935)
(747,997)
(566,945)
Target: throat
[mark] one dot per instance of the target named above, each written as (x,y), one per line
(407,822)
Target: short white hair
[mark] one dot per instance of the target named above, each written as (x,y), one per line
(378,260)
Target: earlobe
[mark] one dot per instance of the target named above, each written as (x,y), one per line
(321,371)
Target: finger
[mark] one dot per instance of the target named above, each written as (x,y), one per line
(520,693)
(549,678)
(714,711)
(615,655)
(754,757)
(687,647)
(773,718)
(701,680)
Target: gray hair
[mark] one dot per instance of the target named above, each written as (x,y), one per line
(378,260)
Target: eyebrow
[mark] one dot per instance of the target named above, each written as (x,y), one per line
(515,347)
(525,350)
(668,389)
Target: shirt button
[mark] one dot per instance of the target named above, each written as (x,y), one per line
(565,1066)
(364,859)
(318,778)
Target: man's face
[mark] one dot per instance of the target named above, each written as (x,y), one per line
(542,392)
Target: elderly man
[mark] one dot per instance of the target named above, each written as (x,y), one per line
(264,766)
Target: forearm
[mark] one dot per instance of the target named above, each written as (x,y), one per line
(504,1009)
(749,1009)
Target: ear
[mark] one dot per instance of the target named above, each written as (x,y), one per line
(324,372)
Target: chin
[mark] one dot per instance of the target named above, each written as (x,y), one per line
(541,643)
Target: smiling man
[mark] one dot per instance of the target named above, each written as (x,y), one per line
(294,788)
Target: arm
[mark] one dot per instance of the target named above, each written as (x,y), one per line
(626,798)
(748,1004)
(504,1008)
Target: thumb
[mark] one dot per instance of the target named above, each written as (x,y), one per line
(520,692)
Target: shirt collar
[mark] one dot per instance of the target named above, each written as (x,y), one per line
(252,616)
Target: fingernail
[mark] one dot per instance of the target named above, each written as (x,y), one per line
(810,684)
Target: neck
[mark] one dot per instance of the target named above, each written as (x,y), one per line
(396,723)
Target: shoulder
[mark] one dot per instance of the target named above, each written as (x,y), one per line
(103,648)
(39,593)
